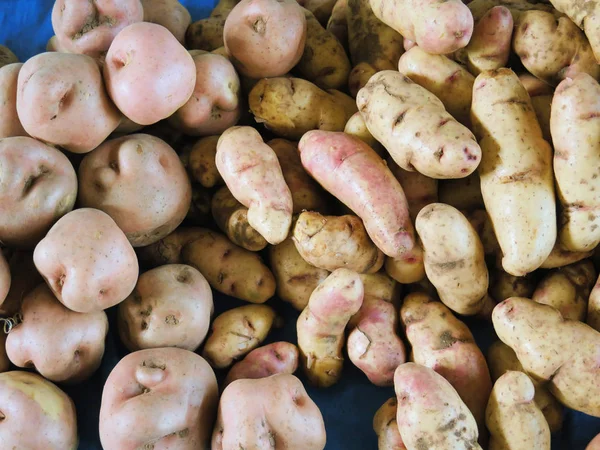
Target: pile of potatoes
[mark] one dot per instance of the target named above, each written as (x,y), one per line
(385,167)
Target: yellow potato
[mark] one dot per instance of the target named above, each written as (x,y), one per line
(386,427)
(420,190)
(407,269)
(207,34)
(200,162)
(357,127)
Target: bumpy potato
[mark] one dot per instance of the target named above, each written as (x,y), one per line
(407,269)
(207,34)
(386,427)
(489,47)
(10,124)
(503,285)
(170,14)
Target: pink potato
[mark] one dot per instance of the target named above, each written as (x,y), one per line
(162,398)
(61,100)
(38,185)
(265,38)
(215,104)
(62,345)
(87,261)
(140,182)
(148,73)
(10,125)
(170,14)
(352,171)
(35,414)
(489,47)
(171,306)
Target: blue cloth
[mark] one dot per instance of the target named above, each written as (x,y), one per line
(347,407)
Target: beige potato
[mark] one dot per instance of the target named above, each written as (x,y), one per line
(407,269)
(504,285)
(7,56)
(338,22)
(207,34)
(24,277)
(420,190)
(479,8)
(386,427)
(357,127)
(200,161)
(560,256)
(171,14)
(463,193)
(10,124)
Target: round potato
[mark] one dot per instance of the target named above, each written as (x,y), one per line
(10,125)
(200,161)
(35,414)
(140,182)
(170,14)
(61,100)
(38,185)
(159,398)
(62,345)
(87,261)
(148,55)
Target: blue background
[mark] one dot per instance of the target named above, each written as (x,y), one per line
(347,407)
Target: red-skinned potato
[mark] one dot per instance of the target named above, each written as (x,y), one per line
(170,14)
(37,187)
(140,182)
(24,277)
(159,398)
(61,100)
(62,345)
(268,413)
(10,124)
(148,55)
(35,414)
(87,261)
(171,306)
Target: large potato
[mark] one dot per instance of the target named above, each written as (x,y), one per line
(38,186)
(140,182)
(10,125)
(386,427)
(24,277)
(148,55)
(338,22)
(503,285)
(161,398)
(171,306)
(35,414)
(62,345)
(87,261)
(356,126)
(170,14)
(61,100)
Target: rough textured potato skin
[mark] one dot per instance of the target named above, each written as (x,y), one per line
(515,171)
(386,427)
(200,161)
(10,124)
(406,119)
(489,47)
(512,416)
(575,127)
(236,332)
(431,412)
(168,250)
(207,34)
(338,22)
(170,14)
(463,193)
(321,326)
(503,285)
(407,269)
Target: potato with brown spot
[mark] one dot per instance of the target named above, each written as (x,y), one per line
(338,22)
(503,285)
(7,56)
(386,427)
(207,34)
(200,161)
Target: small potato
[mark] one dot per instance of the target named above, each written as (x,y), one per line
(420,190)
(170,14)
(62,345)
(560,256)
(140,182)
(7,56)
(61,100)
(87,261)
(296,279)
(321,9)
(200,161)
(236,332)
(161,397)
(407,269)
(10,124)
(199,213)
(171,306)
(338,23)
(278,357)
(504,285)
(265,38)
(321,325)
(463,193)
(252,173)
(35,414)
(357,127)
(207,34)
(273,412)
(147,54)
(38,186)
(24,277)
(386,427)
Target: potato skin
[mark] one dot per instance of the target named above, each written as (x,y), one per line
(273,412)
(594,443)
(518,191)
(207,34)
(407,269)
(177,411)
(357,127)
(503,285)
(321,9)
(10,124)
(338,23)
(200,161)
(386,427)
(170,14)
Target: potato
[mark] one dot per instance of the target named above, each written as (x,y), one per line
(162,397)
(352,171)
(501,359)
(576,137)
(504,285)
(273,412)
(170,14)
(147,54)
(24,277)
(7,56)
(87,261)
(61,100)
(594,443)
(215,104)
(10,124)
(444,78)
(515,171)
(296,279)
(357,127)
(479,8)
(38,186)
(386,427)
(512,416)
(4,361)
(265,38)
(321,9)
(207,34)
(463,193)
(420,190)
(593,312)
(5,279)
(200,161)
(338,23)
(262,362)
(560,256)
(445,344)
(290,107)
(199,213)
(321,325)
(90,27)
(395,108)
(430,412)
(564,358)
(27,399)
(236,332)
(62,345)
(407,269)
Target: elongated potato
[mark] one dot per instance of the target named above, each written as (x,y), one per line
(463,193)
(338,22)
(200,161)
(542,105)
(503,285)
(168,250)
(320,8)
(321,326)
(560,256)
(207,34)
(386,427)
(515,171)
(413,125)
(575,128)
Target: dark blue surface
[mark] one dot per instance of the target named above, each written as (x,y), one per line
(347,407)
